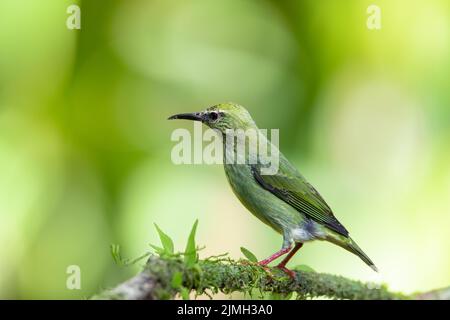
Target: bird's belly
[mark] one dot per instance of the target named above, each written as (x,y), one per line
(261,203)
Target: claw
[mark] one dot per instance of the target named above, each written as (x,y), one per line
(290,273)
(261,264)
(266,269)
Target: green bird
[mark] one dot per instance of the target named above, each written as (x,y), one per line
(283,200)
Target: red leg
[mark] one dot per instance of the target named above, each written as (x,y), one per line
(290,255)
(274,256)
(283,263)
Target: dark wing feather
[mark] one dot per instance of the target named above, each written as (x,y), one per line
(291,187)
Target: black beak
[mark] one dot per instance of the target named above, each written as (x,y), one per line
(196,116)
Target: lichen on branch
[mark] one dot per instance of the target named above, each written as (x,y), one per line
(213,275)
(167,274)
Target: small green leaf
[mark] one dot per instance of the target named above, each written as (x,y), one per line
(190,254)
(157,249)
(136,260)
(115,252)
(184,292)
(118,259)
(249,255)
(274,296)
(166,241)
(303,267)
(177,280)
(280,296)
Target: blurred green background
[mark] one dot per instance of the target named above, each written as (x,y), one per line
(85,145)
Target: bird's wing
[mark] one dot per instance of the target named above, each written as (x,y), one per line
(291,187)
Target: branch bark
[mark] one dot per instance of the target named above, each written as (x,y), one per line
(211,276)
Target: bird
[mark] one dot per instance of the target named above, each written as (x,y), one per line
(283,200)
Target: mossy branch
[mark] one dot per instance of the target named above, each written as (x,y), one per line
(170,273)
(210,276)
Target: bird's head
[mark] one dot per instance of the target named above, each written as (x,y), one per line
(221,117)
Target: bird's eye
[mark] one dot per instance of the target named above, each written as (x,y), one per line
(213,116)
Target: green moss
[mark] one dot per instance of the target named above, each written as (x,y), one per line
(230,276)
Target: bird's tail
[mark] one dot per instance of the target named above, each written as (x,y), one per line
(350,245)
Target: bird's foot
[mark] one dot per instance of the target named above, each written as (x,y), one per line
(261,264)
(264,262)
(290,273)
(266,268)
(252,263)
